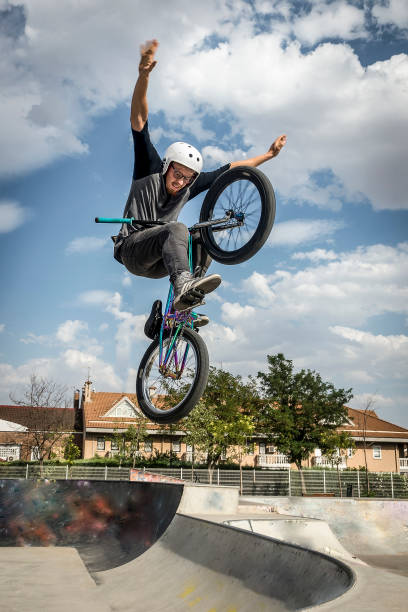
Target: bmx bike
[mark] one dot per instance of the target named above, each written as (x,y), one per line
(236,219)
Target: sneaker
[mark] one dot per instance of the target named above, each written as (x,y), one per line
(189,291)
(154,321)
(201,320)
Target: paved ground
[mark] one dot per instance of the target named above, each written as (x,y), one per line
(397,564)
(374,530)
(120,547)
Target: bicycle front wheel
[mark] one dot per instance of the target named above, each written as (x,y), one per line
(170,381)
(249,195)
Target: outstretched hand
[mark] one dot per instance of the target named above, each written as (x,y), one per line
(147,61)
(278,145)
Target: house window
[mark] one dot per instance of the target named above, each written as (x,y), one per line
(114,445)
(249,448)
(376,452)
(100,444)
(148,446)
(270,449)
(35,453)
(349,452)
(262,450)
(224,455)
(9,452)
(189,448)
(176,446)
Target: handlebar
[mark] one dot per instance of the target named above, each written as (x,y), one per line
(144,222)
(113,220)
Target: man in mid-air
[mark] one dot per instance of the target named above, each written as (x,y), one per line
(160,188)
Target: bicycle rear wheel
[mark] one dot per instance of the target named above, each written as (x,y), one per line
(248,193)
(168,390)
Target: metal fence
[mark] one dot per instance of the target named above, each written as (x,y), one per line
(251,482)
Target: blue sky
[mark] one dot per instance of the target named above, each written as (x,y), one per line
(329,289)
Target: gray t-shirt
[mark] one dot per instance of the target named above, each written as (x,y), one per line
(148,197)
(148,200)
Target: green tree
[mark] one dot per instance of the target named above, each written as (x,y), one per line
(332,444)
(47,428)
(128,441)
(222,421)
(71,450)
(301,412)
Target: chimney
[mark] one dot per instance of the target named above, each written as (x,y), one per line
(78,411)
(87,391)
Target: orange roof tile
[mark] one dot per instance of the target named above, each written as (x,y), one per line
(373,426)
(100,403)
(35,418)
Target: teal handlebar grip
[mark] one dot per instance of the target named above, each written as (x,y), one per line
(113,220)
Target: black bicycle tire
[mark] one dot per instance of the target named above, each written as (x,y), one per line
(267,218)
(196,390)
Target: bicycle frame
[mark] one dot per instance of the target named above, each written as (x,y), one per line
(174,321)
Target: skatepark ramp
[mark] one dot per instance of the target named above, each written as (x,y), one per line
(142,553)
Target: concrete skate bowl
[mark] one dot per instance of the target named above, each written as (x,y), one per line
(109,523)
(142,555)
(363,526)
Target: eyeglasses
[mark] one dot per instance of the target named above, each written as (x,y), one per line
(180,176)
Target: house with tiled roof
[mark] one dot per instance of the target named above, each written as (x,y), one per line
(105,414)
(385,444)
(97,416)
(21,428)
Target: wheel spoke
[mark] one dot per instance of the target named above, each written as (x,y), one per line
(165,386)
(242,197)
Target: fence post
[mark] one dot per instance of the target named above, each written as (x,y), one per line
(254,476)
(26,471)
(289,483)
(358,482)
(66,472)
(218,476)
(181,473)
(324,481)
(106,472)
(392,485)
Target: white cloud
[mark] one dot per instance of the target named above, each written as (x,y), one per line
(387,355)
(393,12)
(69,368)
(214,156)
(362,401)
(127,280)
(130,327)
(303,231)
(236,312)
(2,327)
(34,339)
(103,374)
(95,297)
(316,255)
(12,215)
(317,317)
(86,244)
(68,332)
(334,20)
(70,62)
(259,287)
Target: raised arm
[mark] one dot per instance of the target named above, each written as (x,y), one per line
(139,109)
(272,152)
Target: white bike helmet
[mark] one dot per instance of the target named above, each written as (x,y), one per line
(183,153)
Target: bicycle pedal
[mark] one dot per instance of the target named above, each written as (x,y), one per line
(196,294)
